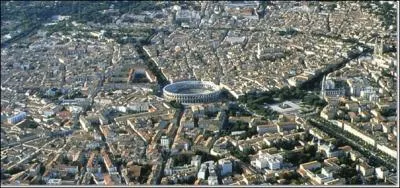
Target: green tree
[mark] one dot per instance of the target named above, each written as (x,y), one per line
(356,180)
(42,169)
(332,7)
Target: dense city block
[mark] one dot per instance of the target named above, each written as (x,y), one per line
(199,93)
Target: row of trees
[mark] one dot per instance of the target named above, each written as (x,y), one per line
(388,112)
(314,100)
(266,112)
(283,94)
(338,132)
(256,101)
(162,81)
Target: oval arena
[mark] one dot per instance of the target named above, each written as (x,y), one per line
(192,92)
